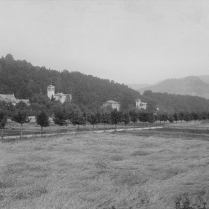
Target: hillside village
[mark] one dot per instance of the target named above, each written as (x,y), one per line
(10,98)
(116,105)
(58,96)
(61,97)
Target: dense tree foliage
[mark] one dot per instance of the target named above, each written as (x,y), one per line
(3,119)
(105,118)
(88,92)
(116,117)
(21,116)
(133,116)
(60,117)
(42,119)
(171,103)
(125,118)
(78,118)
(92,119)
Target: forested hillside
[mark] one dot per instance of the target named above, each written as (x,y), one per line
(27,81)
(178,103)
(88,92)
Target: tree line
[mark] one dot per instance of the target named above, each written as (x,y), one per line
(172,103)
(63,116)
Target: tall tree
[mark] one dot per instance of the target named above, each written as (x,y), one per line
(195,116)
(171,118)
(92,119)
(9,58)
(98,117)
(176,117)
(181,116)
(116,117)
(187,117)
(42,119)
(134,116)
(105,118)
(3,121)
(165,116)
(21,116)
(60,117)
(126,118)
(21,106)
(160,117)
(142,116)
(78,119)
(150,118)
(203,115)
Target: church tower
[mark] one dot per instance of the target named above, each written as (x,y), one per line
(50,91)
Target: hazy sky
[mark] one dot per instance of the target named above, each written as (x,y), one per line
(129,41)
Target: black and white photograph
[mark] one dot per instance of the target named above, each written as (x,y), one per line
(104,104)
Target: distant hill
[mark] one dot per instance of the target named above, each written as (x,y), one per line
(192,85)
(204,78)
(138,86)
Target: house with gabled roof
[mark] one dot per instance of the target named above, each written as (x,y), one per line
(113,104)
(58,96)
(140,105)
(11,98)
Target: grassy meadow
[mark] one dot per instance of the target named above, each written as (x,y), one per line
(140,169)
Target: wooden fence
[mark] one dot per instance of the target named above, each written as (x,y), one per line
(57,131)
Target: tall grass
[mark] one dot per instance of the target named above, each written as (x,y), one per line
(147,170)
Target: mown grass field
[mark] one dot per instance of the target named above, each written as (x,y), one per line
(144,169)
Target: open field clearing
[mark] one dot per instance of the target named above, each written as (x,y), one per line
(144,169)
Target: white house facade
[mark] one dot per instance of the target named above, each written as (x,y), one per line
(113,104)
(141,105)
(10,98)
(58,96)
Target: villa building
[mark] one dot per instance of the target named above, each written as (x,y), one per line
(141,105)
(113,104)
(11,98)
(58,96)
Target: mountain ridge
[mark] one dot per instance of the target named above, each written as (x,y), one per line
(191,85)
